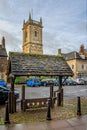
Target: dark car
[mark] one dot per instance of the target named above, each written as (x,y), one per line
(4,94)
(33,82)
(85,80)
(46,82)
(69,82)
(3,83)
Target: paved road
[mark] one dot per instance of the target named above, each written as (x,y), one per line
(69,91)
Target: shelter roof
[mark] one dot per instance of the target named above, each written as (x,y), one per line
(38,65)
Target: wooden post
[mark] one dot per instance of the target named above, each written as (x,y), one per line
(51,90)
(23,96)
(12,83)
(24,107)
(51,94)
(23,92)
(54,95)
(60,82)
(9,102)
(14,103)
(60,98)
(12,96)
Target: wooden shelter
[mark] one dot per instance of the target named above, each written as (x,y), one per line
(21,64)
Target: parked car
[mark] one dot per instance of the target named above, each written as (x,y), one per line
(33,82)
(80,81)
(4,94)
(3,83)
(69,82)
(46,82)
(84,80)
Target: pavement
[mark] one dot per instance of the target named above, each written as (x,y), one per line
(79,123)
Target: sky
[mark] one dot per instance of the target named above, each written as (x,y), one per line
(64,23)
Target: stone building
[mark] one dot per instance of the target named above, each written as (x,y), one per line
(3,60)
(77,61)
(32,36)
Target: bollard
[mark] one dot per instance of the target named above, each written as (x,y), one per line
(48,110)
(7,121)
(78,106)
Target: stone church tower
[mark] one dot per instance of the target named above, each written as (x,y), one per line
(32,36)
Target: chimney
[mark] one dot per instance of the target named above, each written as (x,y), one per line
(3,42)
(59,52)
(81,49)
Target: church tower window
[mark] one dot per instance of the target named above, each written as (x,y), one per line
(35,33)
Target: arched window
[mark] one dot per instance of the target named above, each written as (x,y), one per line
(35,33)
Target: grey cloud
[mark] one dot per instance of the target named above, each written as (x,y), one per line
(11,42)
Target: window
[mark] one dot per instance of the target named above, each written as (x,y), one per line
(72,66)
(84,66)
(35,33)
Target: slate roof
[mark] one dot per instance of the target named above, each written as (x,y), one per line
(71,55)
(3,52)
(38,65)
(85,50)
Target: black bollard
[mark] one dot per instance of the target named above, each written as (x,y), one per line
(7,121)
(78,106)
(48,110)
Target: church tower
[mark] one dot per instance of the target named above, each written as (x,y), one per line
(32,36)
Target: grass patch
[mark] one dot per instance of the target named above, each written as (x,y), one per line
(30,116)
(69,110)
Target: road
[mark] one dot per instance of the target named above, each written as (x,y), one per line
(69,91)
